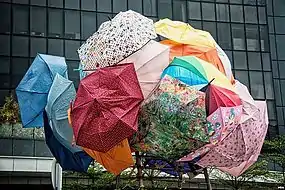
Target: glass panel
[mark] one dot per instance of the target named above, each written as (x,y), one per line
(236,13)
(196,24)
(222,1)
(271,25)
(250,2)
(149,7)
(236,1)
(19,66)
(240,60)
(38,2)
(272,46)
(256,84)
(254,61)
(266,62)
(269,7)
(38,45)
(179,11)
(222,12)
(271,110)
(5,18)
(261,2)
(252,38)
(72,4)
(280,40)
(208,11)
(41,149)
(224,35)
(279,7)
(23,147)
(55,47)
(20,46)
(89,5)
(275,70)
(88,24)
(21,19)
(55,23)
(102,17)
(119,5)
(210,27)
(269,91)
(250,14)
(238,36)
(6,147)
(38,21)
(277,92)
(16,80)
(71,49)
(55,3)
(165,9)
(72,24)
(73,75)
(282,69)
(242,76)
(194,10)
(5,45)
(282,85)
(279,25)
(135,5)
(261,15)
(104,5)
(21,1)
(4,81)
(264,38)
(5,65)
(230,56)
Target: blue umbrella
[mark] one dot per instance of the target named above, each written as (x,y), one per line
(57,130)
(33,89)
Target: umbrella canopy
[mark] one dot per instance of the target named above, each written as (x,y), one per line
(106,107)
(197,73)
(74,161)
(32,91)
(116,39)
(172,121)
(184,33)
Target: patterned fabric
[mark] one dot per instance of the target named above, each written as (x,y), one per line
(115,40)
(172,121)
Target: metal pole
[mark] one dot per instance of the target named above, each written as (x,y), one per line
(139,168)
(207,179)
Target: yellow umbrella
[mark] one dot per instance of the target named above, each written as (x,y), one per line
(184,33)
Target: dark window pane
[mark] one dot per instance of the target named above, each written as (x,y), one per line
(250,14)
(277,92)
(279,25)
(210,27)
(222,1)
(19,66)
(250,2)
(38,45)
(4,81)
(271,110)
(279,7)
(266,62)
(38,2)
(224,35)
(21,19)
(23,147)
(55,3)
(41,149)
(242,76)
(149,7)
(282,85)
(280,116)
(271,25)
(71,49)
(240,60)
(254,61)
(238,36)
(275,70)
(179,10)
(280,40)
(89,5)
(3,94)
(222,12)
(21,1)
(236,1)
(16,80)
(256,84)
(20,46)
(104,5)
(135,5)
(269,91)
(102,17)
(208,11)
(72,24)
(88,24)
(119,5)
(261,2)
(38,21)
(165,9)
(196,24)
(55,47)
(230,55)
(55,22)
(264,38)
(5,45)
(236,13)
(272,46)
(5,65)
(252,38)
(73,75)
(269,7)
(194,10)
(6,147)
(72,4)
(261,15)
(5,18)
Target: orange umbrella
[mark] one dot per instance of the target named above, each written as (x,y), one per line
(116,159)
(205,53)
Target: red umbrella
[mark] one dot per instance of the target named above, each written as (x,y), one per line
(106,107)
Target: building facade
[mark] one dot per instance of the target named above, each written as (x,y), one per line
(252,33)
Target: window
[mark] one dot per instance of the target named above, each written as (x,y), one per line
(224,35)
(5,45)
(72,4)
(266,62)
(55,3)
(72,24)
(208,11)
(23,147)
(38,21)
(119,5)
(38,2)
(277,92)
(279,7)
(256,84)
(254,61)
(179,10)
(236,1)
(73,75)
(268,80)
(102,17)
(55,23)
(55,47)
(89,5)
(104,5)
(271,110)
(250,14)
(210,27)
(194,10)
(275,70)
(135,5)
(271,25)
(261,15)
(279,25)
(238,36)
(252,36)
(222,12)
(19,66)
(20,46)
(149,7)
(282,69)
(272,46)
(6,146)
(242,76)
(264,38)
(230,56)
(280,40)
(282,85)
(20,19)
(165,9)
(41,149)
(5,65)
(240,60)
(88,24)
(4,81)
(21,1)
(38,45)
(5,18)
(236,13)
(196,24)
(280,116)
(71,48)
